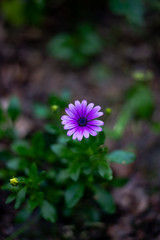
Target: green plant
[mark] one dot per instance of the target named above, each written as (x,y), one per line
(76,48)
(53,174)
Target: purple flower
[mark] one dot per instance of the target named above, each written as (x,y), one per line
(80,120)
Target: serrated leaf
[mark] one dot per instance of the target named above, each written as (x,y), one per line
(105,200)
(20,197)
(73,194)
(120,156)
(48,211)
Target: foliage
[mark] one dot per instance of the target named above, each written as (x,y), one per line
(20,13)
(76,48)
(139,104)
(133,11)
(52,174)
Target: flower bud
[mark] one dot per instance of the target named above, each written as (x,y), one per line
(14,181)
(54,108)
(108,111)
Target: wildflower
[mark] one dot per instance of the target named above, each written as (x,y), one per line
(14,181)
(80,120)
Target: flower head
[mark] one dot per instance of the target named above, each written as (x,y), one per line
(80,120)
(14,181)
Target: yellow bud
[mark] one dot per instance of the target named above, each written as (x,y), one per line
(108,111)
(54,108)
(14,181)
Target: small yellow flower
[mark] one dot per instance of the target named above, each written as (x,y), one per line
(54,108)
(14,181)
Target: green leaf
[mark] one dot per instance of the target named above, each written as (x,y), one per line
(104,170)
(14,108)
(10,198)
(33,171)
(13,163)
(21,147)
(20,197)
(23,215)
(41,111)
(13,11)
(120,156)
(35,200)
(74,170)
(132,10)
(61,151)
(48,211)
(105,200)
(73,194)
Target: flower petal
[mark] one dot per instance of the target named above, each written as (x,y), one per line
(86,133)
(75,135)
(80,133)
(91,131)
(72,121)
(78,108)
(84,107)
(69,126)
(70,113)
(89,108)
(94,116)
(71,131)
(96,122)
(73,109)
(65,117)
(92,112)
(96,128)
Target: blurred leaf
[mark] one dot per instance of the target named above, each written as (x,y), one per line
(10,198)
(34,11)
(105,200)
(78,47)
(132,10)
(74,170)
(35,200)
(48,211)
(120,156)
(13,163)
(60,46)
(104,170)
(38,145)
(41,111)
(119,182)
(33,171)
(21,147)
(20,197)
(14,108)
(13,11)
(61,151)
(62,176)
(140,101)
(73,194)
(23,215)
(91,42)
